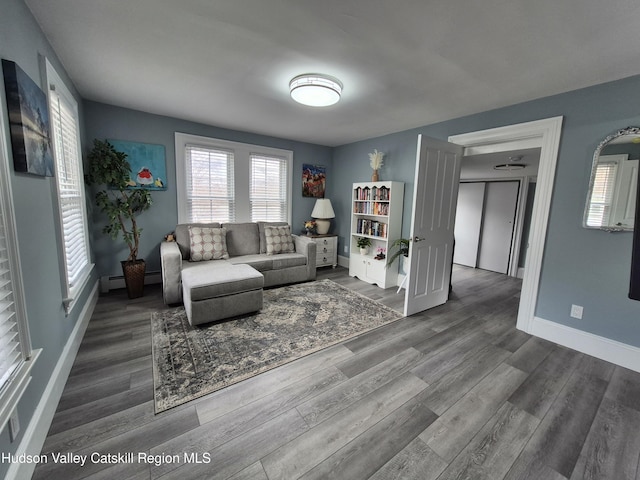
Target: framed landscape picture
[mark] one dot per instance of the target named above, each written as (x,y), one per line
(28,122)
(148,164)
(314,180)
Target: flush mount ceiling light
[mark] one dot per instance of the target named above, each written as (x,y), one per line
(315,90)
(514,164)
(510,166)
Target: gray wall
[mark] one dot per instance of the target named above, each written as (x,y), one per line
(22,41)
(584,267)
(106,121)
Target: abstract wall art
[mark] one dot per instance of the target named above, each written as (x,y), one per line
(28,122)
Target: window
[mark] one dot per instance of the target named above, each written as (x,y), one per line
(210,193)
(222,181)
(16,357)
(602,195)
(70,187)
(268,188)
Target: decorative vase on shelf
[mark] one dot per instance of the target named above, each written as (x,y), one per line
(375,162)
(364,250)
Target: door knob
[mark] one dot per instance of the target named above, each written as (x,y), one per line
(418,239)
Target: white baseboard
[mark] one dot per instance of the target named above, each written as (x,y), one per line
(38,427)
(612,351)
(114,283)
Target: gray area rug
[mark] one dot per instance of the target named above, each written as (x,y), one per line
(296,320)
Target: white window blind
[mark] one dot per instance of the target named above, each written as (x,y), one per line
(210,184)
(10,353)
(70,187)
(223,181)
(268,189)
(602,195)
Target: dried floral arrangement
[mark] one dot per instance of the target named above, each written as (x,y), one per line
(375,159)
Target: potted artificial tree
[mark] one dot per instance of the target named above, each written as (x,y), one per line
(121,204)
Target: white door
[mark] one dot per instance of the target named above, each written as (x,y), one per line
(435,195)
(468,223)
(501,200)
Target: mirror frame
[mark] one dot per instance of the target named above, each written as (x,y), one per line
(594,164)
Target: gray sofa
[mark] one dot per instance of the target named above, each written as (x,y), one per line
(246,244)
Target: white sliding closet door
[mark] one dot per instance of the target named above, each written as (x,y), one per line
(468,223)
(501,199)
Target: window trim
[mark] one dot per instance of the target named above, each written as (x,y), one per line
(242,170)
(15,386)
(71,292)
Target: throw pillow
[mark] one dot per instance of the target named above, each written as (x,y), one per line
(279,240)
(207,243)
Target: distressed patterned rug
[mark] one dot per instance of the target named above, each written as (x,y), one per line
(296,320)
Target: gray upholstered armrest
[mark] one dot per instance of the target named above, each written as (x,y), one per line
(307,247)
(171,261)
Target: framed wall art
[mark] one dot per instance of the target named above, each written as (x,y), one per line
(148,164)
(314,180)
(28,122)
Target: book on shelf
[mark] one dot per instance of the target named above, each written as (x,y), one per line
(380,208)
(375,193)
(368,208)
(371,228)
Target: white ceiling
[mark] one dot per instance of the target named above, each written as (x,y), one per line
(404,63)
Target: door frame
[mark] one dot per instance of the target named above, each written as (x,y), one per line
(544,134)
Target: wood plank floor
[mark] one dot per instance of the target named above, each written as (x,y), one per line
(455,392)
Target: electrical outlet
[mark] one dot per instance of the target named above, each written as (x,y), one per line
(576,311)
(14,426)
(346,249)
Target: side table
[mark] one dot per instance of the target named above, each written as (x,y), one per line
(326,250)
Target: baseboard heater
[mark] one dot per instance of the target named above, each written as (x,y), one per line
(116,282)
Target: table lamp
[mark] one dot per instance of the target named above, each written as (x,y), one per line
(322,212)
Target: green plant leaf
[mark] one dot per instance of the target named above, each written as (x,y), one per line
(121,205)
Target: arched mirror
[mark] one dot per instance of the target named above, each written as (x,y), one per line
(611,201)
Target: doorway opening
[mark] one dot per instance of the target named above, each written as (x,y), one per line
(545,135)
(494,210)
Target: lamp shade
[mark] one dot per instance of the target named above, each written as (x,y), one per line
(323,209)
(321,212)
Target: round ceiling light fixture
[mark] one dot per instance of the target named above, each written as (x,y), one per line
(514,164)
(510,166)
(315,90)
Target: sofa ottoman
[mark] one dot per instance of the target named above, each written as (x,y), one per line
(232,290)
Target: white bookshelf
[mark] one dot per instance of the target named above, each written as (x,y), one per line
(376,213)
